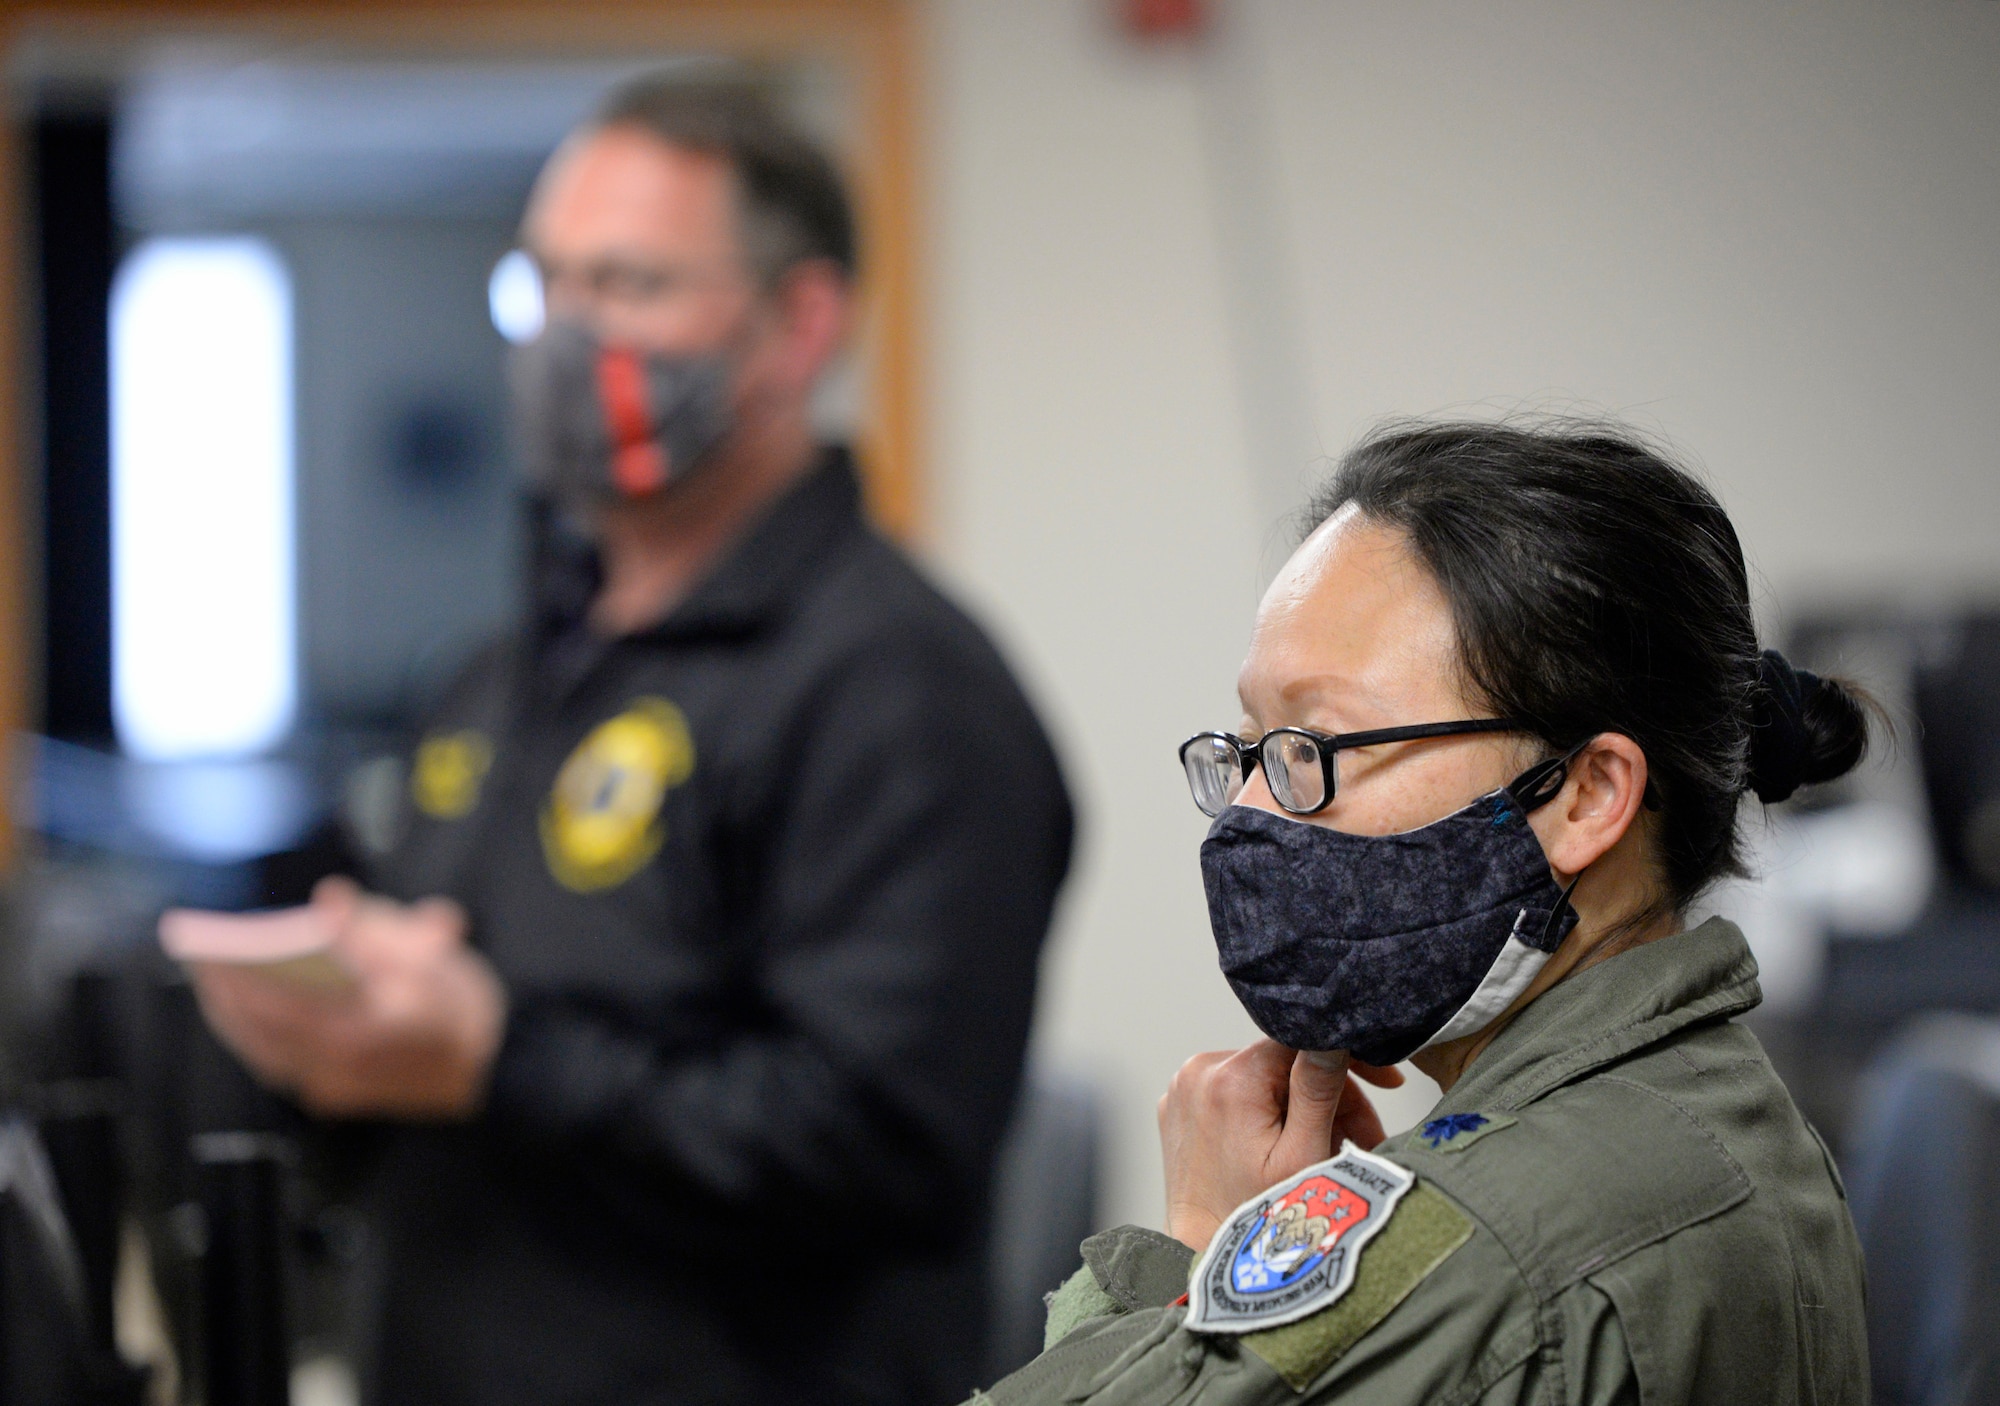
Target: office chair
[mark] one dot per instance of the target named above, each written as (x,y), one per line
(1924,1187)
(1044,1205)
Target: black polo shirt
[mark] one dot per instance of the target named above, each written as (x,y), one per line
(766,885)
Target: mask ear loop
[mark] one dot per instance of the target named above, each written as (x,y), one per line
(1532,789)
(1553,927)
(1542,782)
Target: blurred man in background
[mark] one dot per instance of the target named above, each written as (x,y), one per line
(688,1011)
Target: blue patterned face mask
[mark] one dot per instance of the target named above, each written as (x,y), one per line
(1383,944)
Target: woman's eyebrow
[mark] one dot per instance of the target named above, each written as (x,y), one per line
(1337,690)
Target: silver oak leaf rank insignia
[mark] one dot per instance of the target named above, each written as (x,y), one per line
(1292,1250)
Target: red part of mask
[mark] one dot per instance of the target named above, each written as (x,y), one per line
(638,461)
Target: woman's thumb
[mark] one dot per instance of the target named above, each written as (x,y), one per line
(1318,1079)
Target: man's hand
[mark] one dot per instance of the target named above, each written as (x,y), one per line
(414,1037)
(1235,1122)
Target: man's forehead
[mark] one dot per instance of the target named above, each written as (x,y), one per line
(627,183)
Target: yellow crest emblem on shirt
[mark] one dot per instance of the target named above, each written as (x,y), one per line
(448,771)
(602,820)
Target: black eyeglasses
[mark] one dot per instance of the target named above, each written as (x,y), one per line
(1298,765)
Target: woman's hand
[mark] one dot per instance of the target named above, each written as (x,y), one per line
(1235,1122)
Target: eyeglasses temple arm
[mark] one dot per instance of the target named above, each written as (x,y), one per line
(1419,730)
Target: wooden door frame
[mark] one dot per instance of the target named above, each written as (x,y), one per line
(875,40)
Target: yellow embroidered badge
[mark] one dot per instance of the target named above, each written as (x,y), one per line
(447,774)
(602,820)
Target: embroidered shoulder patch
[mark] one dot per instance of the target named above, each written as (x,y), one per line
(1426,1230)
(1459,1130)
(1293,1250)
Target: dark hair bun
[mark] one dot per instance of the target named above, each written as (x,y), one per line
(1803,729)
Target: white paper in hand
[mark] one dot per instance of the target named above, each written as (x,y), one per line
(291,944)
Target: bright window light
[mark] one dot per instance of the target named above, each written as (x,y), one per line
(202,656)
(514,297)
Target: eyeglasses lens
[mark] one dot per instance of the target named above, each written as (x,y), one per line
(1213,773)
(1295,772)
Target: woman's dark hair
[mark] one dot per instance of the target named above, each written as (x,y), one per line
(794,204)
(1598,587)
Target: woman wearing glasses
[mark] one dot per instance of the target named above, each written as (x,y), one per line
(1499,712)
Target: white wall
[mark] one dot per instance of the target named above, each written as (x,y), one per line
(1766,231)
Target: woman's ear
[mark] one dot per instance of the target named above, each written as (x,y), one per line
(1596,806)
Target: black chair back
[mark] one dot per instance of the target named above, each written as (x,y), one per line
(1924,1186)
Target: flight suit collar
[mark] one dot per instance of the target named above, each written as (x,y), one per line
(760,575)
(1609,1011)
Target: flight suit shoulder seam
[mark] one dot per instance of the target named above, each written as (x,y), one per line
(1584,1062)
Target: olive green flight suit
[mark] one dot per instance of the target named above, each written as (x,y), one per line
(1641,1216)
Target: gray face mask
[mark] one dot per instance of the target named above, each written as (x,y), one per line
(597,422)
(1383,944)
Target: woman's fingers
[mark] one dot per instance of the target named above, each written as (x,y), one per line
(1247,1086)
(1229,1127)
(1235,1122)
(1382,1076)
(1357,1121)
(1266,1070)
(1190,1082)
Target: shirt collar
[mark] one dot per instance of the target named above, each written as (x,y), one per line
(1607,1012)
(759,576)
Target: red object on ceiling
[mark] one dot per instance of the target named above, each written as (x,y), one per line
(1164,19)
